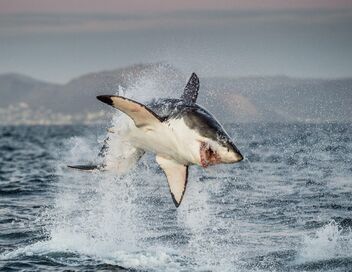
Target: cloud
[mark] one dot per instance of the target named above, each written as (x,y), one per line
(296,42)
(156,6)
(73,23)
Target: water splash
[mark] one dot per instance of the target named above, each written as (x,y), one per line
(160,82)
(130,220)
(107,213)
(329,242)
(103,215)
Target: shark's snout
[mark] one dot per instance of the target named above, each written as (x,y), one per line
(238,156)
(235,154)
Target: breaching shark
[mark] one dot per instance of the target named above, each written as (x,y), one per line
(178,131)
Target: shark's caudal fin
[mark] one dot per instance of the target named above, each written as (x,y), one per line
(177,175)
(119,165)
(190,93)
(86,167)
(140,114)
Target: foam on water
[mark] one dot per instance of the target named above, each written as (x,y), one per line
(328,242)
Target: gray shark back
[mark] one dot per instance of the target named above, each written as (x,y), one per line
(167,107)
(195,117)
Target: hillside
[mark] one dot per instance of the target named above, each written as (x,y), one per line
(24,100)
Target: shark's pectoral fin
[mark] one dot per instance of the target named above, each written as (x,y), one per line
(140,114)
(190,93)
(177,175)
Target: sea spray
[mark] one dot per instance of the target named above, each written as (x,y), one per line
(200,220)
(100,213)
(329,242)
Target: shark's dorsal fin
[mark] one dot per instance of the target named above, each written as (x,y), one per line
(176,175)
(190,93)
(140,114)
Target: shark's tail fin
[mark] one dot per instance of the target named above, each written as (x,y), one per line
(86,167)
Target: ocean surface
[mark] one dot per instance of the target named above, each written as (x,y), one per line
(286,207)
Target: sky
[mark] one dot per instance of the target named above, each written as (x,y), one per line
(56,41)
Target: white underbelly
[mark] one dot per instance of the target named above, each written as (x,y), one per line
(171,140)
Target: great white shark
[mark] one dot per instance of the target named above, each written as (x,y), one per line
(179,132)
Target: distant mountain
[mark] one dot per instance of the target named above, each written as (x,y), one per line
(283,99)
(24,100)
(15,88)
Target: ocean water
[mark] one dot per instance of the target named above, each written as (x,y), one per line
(286,207)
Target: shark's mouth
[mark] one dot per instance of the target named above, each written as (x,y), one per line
(207,155)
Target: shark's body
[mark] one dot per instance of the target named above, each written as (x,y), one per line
(179,131)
